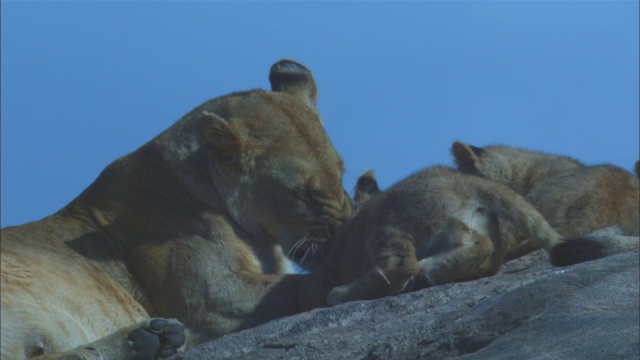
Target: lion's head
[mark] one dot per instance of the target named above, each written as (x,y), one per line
(492,162)
(273,164)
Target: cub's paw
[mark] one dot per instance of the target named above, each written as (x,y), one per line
(341,294)
(418,282)
(157,339)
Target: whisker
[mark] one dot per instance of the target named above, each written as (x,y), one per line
(302,242)
(304,257)
(292,252)
(295,246)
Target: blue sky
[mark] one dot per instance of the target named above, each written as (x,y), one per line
(86,82)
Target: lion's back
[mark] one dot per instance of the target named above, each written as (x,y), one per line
(589,199)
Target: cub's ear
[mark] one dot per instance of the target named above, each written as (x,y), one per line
(467,157)
(366,186)
(294,78)
(219,134)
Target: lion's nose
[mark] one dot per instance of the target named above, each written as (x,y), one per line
(334,219)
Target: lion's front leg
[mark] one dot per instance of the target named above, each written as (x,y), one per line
(393,266)
(242,300)
(269,297)
(149,340)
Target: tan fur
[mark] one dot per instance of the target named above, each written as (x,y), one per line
(194,225)
(574,198)
(434,227)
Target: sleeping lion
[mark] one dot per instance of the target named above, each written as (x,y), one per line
(437,226)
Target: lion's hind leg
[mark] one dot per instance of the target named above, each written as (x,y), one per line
(148,340)
(467,252)
(394,266)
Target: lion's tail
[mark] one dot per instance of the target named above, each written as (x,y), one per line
(562,251)
(600,243)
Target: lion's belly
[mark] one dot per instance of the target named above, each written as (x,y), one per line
(54,300)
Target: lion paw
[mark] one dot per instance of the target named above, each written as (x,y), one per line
(338,295)
(157,339)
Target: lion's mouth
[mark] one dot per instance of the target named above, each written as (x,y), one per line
(310,250)
(320,233)
(309,257)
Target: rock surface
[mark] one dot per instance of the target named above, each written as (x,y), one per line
(530,310)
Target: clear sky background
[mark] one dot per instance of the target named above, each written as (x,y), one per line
(86,82)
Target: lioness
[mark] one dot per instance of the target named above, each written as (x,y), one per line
(574,198)
(194,225)
(437,226)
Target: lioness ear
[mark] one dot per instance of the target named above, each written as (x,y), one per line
(294,78)
(466,156)
(366,186)
(219,135)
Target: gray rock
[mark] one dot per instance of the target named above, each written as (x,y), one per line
(530,310)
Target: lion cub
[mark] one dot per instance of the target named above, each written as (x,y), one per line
(574,198)
(436,226)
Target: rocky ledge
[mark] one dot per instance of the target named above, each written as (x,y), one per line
(530,310)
